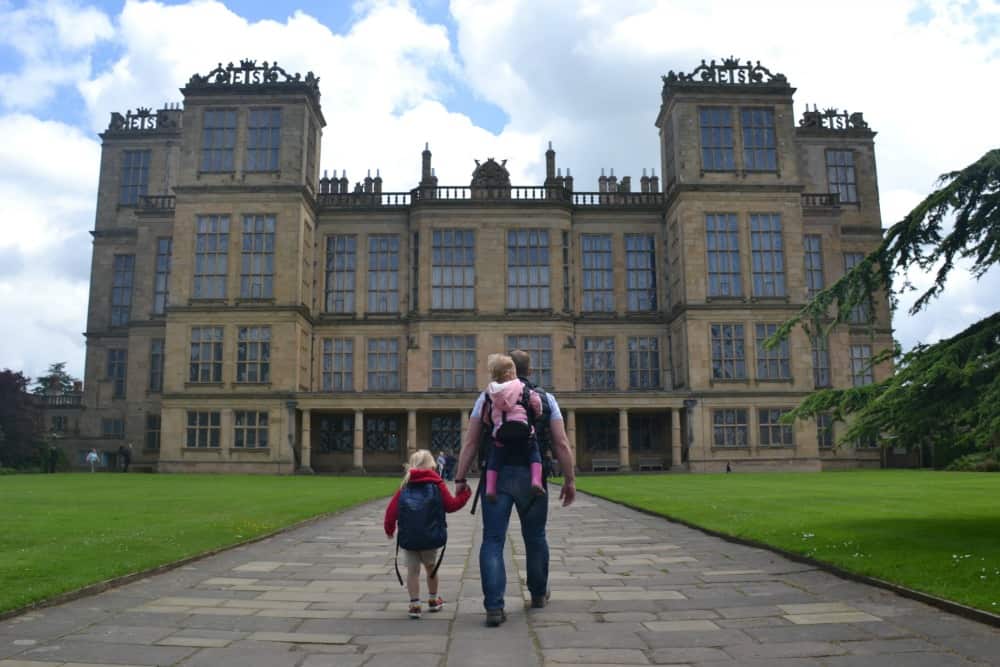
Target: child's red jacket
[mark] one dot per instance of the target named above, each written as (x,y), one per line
(451,503)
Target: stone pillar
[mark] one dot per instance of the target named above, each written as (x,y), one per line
(675,439)
(570,416)
(411,433)
(623,439)
(359,441)
(306,465)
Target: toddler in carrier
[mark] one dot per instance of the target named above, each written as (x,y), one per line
(511,409)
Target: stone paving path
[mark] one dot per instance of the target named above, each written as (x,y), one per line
(626,589)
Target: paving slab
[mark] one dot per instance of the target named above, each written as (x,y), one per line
(627,589)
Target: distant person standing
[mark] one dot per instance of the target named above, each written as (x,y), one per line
(92,459)
(125,454)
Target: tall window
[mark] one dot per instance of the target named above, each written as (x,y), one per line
(861,365)
(453,269)
(821,361)
(446,433)
(415,272)
(135,177)
(640,262)
(338,364)
(117,365)
(773,364)
(729,428)
(824,431)
(598,363)
(253,354)
(758,140)
(767,254)
(113,428)
(567,304)
(600,432)
(211,256)
(861,313)
(644,362)
(264,139)
(772,432)
(152,431)
(728,352)
(716,138)
(453,362)
(598,274)
(383,433)
(383,274)
(161,280)
(341,259)
(203,429)
(644,433)
(540,350)
(383,364)
(257,270)
(121,289)
(156,365)
(206,355)
(218,137)
(250,429)
(812,245)
(840,175)
(336,433)
(527,269)
(723,243)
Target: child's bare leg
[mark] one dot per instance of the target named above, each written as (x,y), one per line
(432,581)
(413,579)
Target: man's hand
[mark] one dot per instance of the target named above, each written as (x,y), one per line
(460,486)
(568,493)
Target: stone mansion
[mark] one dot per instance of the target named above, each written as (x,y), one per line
(250,315)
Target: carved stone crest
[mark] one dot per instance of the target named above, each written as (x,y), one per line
(249,73)
(491,174)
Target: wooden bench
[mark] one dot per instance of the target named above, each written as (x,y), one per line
(650,464)
(604,465)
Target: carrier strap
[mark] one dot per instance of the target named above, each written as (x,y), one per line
(395,562)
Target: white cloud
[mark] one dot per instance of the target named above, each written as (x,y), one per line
(49,36)
(48,188)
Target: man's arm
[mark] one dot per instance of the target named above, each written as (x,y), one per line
(560,447)
(469,447)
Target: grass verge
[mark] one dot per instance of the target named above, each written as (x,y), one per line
(62,532)
(935,532)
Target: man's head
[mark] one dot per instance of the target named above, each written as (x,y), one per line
(522,362)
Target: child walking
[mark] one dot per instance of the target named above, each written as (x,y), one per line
(511,409)
(418,507)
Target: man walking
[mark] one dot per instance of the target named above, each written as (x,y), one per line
(514,491)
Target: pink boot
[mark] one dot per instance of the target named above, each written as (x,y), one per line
(536,480)
(491,485)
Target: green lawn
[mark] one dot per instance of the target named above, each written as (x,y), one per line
(936,532)
(61,532)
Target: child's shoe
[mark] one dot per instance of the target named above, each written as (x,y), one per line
(415,610)
(435,604)
(537,490)
(491,497)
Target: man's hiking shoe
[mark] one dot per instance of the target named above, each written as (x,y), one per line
(537,490)
(435,604)
(495,617)
(415,610)
(539,601)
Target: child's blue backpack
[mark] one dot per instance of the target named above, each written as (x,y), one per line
(422,524)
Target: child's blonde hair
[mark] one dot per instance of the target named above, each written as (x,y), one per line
(421,459)
(500,366)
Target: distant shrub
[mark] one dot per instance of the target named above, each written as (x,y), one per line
(978,462)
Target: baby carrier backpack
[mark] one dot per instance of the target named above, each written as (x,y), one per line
(422,524)
(515,432)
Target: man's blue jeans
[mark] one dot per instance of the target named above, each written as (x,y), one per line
(513,490)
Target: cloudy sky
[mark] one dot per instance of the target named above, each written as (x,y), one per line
(474,78)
